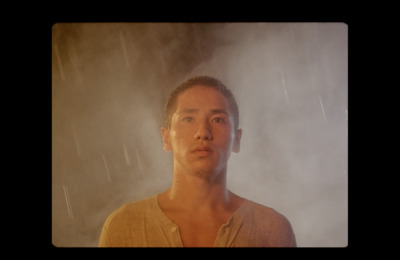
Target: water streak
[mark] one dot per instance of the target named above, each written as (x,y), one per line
(138,160)
(71,215)
(107,170)
(323,110)
(284,87)
(59,62)
(77,146)
(124,49)
(128,162)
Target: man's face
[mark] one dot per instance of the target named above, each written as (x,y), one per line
(201,135)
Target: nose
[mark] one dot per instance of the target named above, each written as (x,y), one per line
(203,132)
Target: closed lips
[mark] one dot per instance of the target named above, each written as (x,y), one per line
(201,148)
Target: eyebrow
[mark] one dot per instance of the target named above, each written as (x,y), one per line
(188,111)
(193,110)
(219,111)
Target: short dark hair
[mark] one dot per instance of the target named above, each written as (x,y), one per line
(203,81)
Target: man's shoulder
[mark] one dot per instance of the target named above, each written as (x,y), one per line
(132,210)
(266,215)
(126,225)
(272,226)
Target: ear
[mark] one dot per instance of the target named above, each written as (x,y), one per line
(166,139)
(236,141)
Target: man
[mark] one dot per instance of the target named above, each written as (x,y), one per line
(201,130)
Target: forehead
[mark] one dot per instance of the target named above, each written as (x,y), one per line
(201,97)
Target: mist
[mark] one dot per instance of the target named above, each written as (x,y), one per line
(111,81)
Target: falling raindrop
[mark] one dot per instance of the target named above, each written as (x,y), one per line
(126,155)
(59,62)
(75,67)
(323,110)
(77,146)
(124,48)
(284,87)
(71,215)
(138,160)
(107,170)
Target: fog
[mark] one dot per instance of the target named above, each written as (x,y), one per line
(110,83)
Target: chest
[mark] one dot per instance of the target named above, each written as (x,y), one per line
(199,234)
(199,230)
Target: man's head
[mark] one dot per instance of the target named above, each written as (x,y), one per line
(202,120)
(202,81)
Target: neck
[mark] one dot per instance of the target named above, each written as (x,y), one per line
(198,192)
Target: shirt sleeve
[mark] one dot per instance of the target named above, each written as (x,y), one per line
(283,234)
(103,241)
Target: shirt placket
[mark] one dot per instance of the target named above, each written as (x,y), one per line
(222,236)
(171,230)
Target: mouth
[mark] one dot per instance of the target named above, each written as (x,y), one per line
(202,150)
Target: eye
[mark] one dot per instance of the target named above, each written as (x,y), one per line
(218,120)
(187,119)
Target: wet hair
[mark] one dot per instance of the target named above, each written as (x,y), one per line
(202,81)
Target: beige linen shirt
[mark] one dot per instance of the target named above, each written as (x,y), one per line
(143,224)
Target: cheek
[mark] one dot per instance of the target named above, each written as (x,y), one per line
(179,140)
(224,139)
(172,134)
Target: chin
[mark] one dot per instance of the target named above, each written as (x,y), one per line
(206,171)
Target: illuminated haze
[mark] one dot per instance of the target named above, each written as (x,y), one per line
(110,83)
